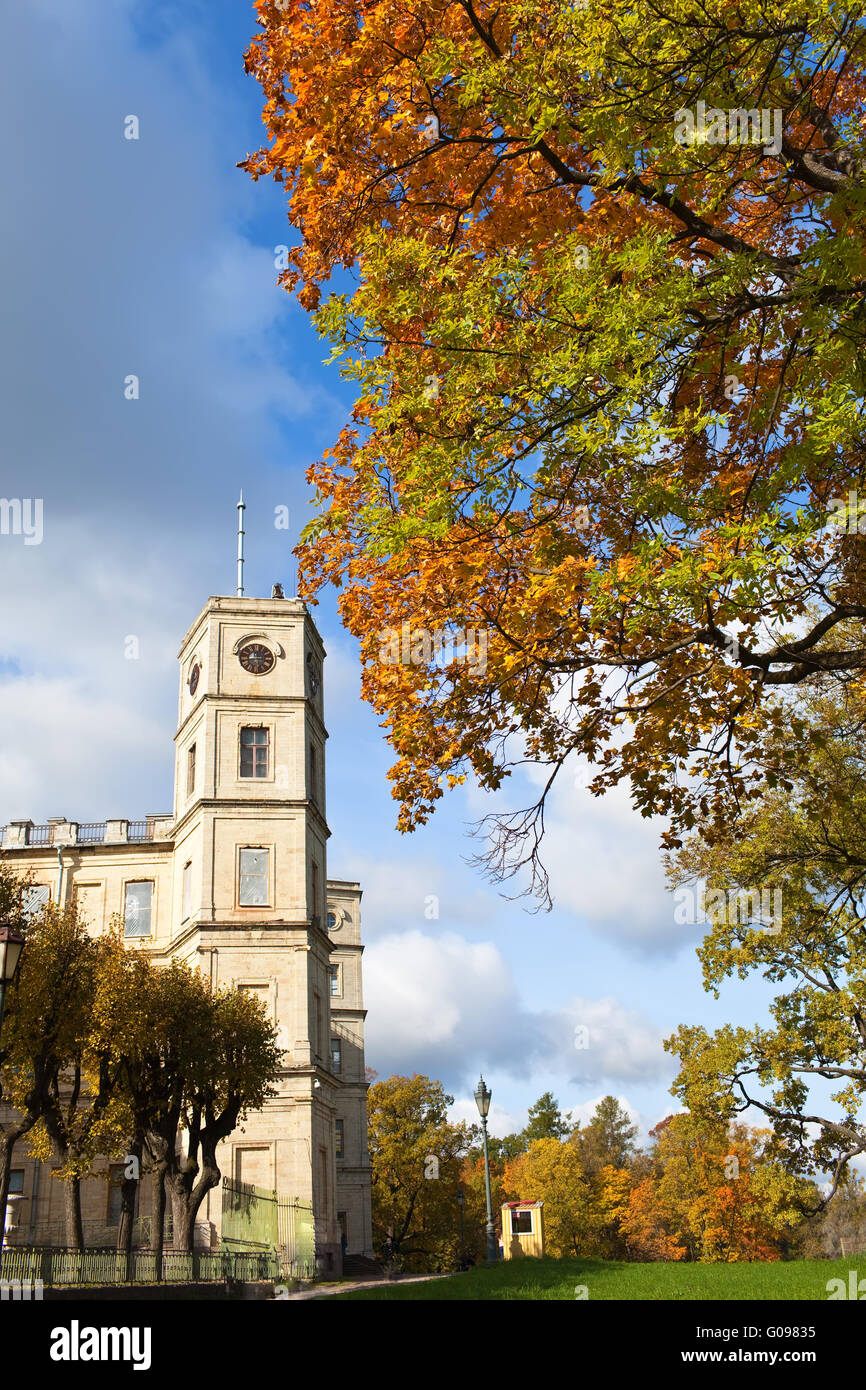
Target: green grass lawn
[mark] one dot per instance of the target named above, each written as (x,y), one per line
(802,1280)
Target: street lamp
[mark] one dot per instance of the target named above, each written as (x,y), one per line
(11,946)
(483,1096)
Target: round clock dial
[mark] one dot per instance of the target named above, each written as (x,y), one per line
(193,678)
(312,673)
(256,658)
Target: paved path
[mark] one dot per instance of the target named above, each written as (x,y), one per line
(324,1291)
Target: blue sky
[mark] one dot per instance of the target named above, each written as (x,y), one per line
(155,257)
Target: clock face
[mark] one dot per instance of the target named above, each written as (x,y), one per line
(312,673)
(256,658)
(193,678)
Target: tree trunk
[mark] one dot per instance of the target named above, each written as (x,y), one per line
(129,1193)
(128,1202)
(7,1144)
(179,1217)
(72,1210)
(158,1216)
(8,1139)
(186,1202)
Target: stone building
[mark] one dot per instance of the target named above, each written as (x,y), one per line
(234,881)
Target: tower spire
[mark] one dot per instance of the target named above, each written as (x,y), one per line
(241,510)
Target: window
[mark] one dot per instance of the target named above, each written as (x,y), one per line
(314,773)
(334,972)
(35,898)
(138,909)
(339,1139)
(254,752)
(332,921)
(253,878)
(190,770)
(16,1182)
(521,1223)
(336,1056)
(187,891)
(343,1228)
(315,889)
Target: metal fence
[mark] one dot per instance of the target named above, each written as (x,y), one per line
(258,1218)
(92,833)
(57,1268)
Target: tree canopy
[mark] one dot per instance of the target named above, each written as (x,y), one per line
(802,842)
(607,346)
(105,1053)
(415,1157)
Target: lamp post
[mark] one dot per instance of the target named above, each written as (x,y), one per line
(11,946)
(482,1100)
(461,1203)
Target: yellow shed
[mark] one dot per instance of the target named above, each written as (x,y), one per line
(522,1229)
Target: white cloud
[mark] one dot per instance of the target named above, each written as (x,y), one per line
(602,856)
(449,1008)
(442,1004)
(583,1112)
(499,1120)
(412,891)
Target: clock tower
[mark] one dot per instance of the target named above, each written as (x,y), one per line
(234,882)
(250,881)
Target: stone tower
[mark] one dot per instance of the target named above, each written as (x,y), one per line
(235,883)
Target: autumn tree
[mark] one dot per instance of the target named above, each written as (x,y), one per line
(797,852)
(613,1189)
(545,1120)
(415,1158)
(606,336)
(84,1110)
(838,1228)
(715,1193)
(56,1074)
(607,1140)
(649,1224)
(13,913)
(501,1149)
(193,1064)
(473,1187)
(551,1171)
(231,1072)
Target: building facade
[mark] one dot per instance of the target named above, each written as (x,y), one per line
(234,882)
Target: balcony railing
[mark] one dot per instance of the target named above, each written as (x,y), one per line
(140,830)
(85,833)
(92,834)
